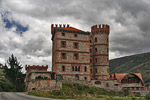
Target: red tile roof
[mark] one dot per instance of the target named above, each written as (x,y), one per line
(120,76)
(72,28)
(44,72)
(36,66)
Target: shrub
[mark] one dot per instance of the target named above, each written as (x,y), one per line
(133,98)
(147,97)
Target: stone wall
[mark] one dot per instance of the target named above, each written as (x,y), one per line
(49,85)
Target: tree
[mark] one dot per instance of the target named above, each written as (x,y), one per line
(13,73)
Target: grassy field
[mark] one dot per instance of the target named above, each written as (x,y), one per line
(82,92)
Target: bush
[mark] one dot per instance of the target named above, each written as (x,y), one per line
(133,98)
(6,86)
(147,97)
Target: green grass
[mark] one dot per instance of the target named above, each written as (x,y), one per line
(81,92)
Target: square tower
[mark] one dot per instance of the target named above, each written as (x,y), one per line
(71,52)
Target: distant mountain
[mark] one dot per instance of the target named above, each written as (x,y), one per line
(139,63)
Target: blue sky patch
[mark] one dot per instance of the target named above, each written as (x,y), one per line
(9,24)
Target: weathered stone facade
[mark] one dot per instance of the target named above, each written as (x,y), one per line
(81,57)
(71,53)
(38,78)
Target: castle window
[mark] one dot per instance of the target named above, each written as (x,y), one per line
(107,70)
(90,50)
(107,85)
(96,60)
(76,56)
(95,49)
(95,70)
(63,68)
(91,71)
(90,41)
(107,50)
(62,34)
(63,44)
(107,40)
(76,45)
(90,60)
(85,78)
(63,55)
(85,69)
(75,35)
(95,39)
(72,68)
(78,68)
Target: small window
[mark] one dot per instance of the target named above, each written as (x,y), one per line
(63,68)
(95,70)
(76,45)
(85,69)
(33,89)
(96,60)
(95,49)
(76,56)
(91,71)
(90,50)
(75,35)
(107,50)
(107,40)
(95,39)
(63,55)
(107,70)
(97,82)
(85,78)
(90,41)
(63,44)
(63,34)
(107,85)
(90,60)
(78,68)
(72,68)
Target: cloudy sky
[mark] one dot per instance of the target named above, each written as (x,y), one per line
(25,26)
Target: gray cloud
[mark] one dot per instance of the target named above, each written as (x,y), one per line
(128,19)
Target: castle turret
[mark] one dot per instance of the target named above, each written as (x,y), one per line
(99,52)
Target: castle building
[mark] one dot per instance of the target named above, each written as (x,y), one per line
(80,55)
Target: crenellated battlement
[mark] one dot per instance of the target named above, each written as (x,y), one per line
(35,66)
(58,26)
(100,27)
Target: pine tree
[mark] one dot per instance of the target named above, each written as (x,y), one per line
(13,73)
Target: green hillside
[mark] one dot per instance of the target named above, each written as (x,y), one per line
(139,63)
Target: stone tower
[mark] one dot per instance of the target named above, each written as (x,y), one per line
(99,47)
